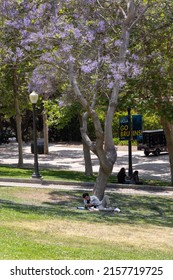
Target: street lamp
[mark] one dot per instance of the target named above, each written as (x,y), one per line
(33,98)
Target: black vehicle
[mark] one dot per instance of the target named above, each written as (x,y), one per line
(153,141)
(4,138)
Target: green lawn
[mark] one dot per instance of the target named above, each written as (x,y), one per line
(45,224)
(47,174)
(62,175)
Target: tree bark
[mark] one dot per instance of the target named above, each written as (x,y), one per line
(87,159)
(19,133)
(168,129)
(101,182)
(18,118)
(86,149)
(45,133)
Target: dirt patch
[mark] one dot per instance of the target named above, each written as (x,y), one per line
(44,196)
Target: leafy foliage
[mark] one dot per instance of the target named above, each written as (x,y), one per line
(153,88)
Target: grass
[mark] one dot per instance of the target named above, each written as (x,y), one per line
(45,224)
(63,175)
(48,174)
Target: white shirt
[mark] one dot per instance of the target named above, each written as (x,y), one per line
(94,201)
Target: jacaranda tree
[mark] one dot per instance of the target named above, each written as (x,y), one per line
(85,44)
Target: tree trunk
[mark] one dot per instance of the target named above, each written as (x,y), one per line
(19,133)
(18,118)
(107,157)
(86,149)
(87,159)
(101,182)
(168,129)
(45,132)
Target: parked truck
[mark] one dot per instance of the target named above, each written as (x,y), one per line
(153,141)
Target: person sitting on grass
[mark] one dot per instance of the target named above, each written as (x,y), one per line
(92,202)
(122,177)
(135,178)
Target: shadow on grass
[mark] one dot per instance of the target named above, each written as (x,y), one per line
(67,175)
(52,174)
(135,209)
(64,175)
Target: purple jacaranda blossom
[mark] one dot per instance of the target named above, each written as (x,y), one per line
(89,66)
(43,80)
(136,70)
(26,22)
(90,36)
(67,47)
(101,26)
(76,31)
(90,1)
(122,83)
(110,85)
(19,53)
(71,58)
(40,35)
(107,59)
(47,57)
(13,24)
(106,40)
(135,57)
(117,76)
(86,69)
(14,56)
(118,43)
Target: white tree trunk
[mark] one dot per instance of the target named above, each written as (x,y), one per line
(101,182)
(86,149)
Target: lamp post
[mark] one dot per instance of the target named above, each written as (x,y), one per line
(33,98)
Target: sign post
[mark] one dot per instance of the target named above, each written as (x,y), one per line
(130,128)
(130,144)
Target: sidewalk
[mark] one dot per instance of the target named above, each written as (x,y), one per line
(70,157)
(118,188)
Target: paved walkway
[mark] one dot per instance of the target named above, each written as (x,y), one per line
(70,157)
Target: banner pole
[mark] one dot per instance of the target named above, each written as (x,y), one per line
(130,144)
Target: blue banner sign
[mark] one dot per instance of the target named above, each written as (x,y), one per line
(136,127)
(124,128)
